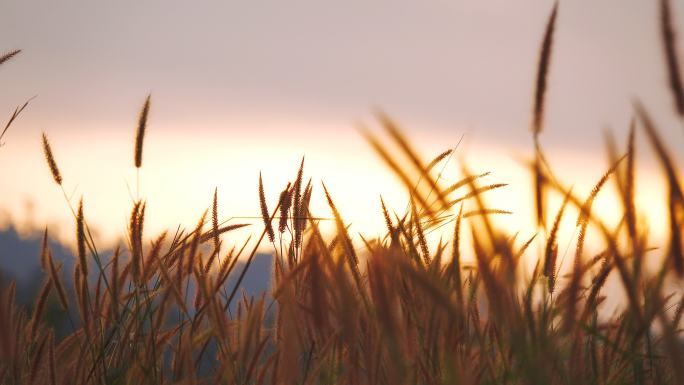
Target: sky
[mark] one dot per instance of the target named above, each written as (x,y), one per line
(242,87)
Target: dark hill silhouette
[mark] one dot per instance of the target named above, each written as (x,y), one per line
(20,262)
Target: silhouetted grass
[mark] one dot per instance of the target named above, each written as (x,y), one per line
(391,309)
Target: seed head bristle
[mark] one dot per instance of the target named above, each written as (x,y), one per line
(285,203)
(140,132)
(215,223)
(539,182)
(385,214)
(525,246)
(135,239)
(438,159)
(478,191)
(7,56)
(297,205)
(44,250)
(421,235)
(477,212)
(542,72)
(264,212)
(51,161)
(81,240)
(464,182)
(305,206)
(195,243)
(551,251)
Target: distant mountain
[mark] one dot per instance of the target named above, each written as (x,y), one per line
(257,278)
(20,261)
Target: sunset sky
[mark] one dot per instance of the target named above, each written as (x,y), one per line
(243,87)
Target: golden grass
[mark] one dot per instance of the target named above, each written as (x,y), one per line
(543,73)
(52,164)
(392,309)
(140,133)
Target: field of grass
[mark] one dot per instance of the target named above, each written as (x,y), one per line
(393,309)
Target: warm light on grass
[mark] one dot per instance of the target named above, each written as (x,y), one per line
(477,267)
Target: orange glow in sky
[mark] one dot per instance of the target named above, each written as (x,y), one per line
(243,88)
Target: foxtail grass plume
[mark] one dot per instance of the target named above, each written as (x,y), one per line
(81,242)
(9,55)
(215,223)
(140,132)
(162,315)
(285,203)
(542,72)
(438,159)
(551,250)
(51,161)
(264,212)
(385,214)
(297,205)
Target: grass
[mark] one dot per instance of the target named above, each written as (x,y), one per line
(393,309)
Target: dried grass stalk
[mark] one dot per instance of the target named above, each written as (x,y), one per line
(140,132)
(54,276)
(51,161)
(39,308)
(542,72)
